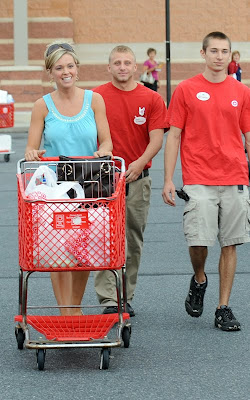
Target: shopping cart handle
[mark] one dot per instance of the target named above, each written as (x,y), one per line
(48,159)
(74,157)
(87,157)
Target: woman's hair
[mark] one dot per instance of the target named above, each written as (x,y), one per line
(235,52)
(55,50)
(214,35)
(150,50)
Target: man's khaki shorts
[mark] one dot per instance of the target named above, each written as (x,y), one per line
(216,211)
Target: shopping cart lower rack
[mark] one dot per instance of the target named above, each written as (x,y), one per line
(44,228)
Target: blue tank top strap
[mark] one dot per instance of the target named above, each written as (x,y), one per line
(48,101)
(88,94)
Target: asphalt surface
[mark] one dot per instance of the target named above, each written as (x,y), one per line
(171,355)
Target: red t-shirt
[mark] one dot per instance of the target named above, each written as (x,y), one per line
(131,116)
(233,67)
(212,117)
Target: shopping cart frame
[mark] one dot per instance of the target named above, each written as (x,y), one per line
(106,321)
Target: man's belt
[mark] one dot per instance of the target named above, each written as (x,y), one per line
(144,173)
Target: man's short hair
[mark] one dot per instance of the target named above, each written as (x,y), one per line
(122,49)
(214,35)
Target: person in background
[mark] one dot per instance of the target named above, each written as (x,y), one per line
(206,116)
(71,121)
(154,67)
(137,118)
(234,68)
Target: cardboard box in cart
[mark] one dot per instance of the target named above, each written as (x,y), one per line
(6,121)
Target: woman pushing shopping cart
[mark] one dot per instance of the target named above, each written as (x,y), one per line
(65,228)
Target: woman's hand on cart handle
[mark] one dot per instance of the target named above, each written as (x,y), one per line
(102,153)
(34,155)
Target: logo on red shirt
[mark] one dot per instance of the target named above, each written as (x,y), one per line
(234,103)
(140,120)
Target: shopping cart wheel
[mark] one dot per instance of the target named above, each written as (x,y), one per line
(126,336)
(40,356)
(104,364)
(6,157)
(20,338)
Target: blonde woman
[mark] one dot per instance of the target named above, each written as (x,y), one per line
(72,121)
(234,68)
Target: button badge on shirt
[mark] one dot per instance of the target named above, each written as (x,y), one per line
(203,96)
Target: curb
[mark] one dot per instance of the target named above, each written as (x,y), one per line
(15,129)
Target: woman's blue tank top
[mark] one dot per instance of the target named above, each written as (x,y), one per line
(70,136)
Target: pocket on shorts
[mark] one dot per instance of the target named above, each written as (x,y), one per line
(146,190)
(190,218)
(248,215)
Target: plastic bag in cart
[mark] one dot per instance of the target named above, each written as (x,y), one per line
(49,243)
(43,185)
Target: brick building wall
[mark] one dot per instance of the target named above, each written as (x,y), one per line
(98,21)
(191,20)
(38,8)
(96,26)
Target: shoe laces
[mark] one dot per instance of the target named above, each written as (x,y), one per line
(227,314)
(198,295)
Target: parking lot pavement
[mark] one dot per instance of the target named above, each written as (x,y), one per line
(171,355)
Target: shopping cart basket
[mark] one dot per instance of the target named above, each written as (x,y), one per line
(49,232)
(6,115)
(6,121)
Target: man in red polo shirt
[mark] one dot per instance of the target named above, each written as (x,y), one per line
(137,118)
(207,114)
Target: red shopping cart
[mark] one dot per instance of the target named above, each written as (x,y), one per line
(65,235)
(6,115)
(6,121)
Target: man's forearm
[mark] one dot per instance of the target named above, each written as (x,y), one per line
(247,144)
(170,156)
(155,144)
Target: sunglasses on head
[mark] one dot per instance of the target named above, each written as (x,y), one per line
(56,46)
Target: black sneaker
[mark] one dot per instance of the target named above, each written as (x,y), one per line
(225,320)
(194,300)
(110,310)
(130,310)
(114,310)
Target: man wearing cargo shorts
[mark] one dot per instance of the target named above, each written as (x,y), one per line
(206,116)
(137,119)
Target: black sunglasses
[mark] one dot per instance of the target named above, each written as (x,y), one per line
(56,46)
